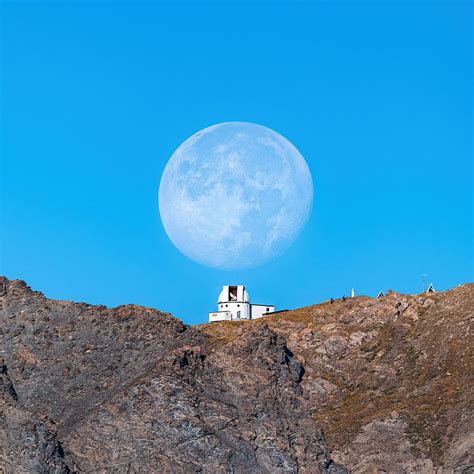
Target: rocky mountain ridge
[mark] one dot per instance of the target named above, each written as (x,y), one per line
(365,385)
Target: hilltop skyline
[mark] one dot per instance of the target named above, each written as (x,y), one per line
(96,98)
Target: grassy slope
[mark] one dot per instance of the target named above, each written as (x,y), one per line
(403,356)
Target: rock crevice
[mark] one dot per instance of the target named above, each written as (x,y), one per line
(130,389)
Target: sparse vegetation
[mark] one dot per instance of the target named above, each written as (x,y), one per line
(389,380)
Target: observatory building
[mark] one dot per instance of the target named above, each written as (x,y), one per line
(233,304)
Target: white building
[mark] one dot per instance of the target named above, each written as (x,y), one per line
(233,304)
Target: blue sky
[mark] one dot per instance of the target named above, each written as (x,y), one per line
(97,96)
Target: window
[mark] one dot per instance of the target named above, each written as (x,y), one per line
(226,305)
(268,309)
(222,305)
(238,306)
(232,293)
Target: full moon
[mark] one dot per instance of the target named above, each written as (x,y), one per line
(235,195)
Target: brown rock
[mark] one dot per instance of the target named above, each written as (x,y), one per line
(130,389)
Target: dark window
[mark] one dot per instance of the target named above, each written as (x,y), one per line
(268,309)
(226,305)
(238,306)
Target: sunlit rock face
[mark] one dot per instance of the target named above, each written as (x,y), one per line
(235,195)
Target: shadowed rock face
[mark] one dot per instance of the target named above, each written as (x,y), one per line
(130,389)
(390,380)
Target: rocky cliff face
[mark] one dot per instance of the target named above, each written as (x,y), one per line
(385,384)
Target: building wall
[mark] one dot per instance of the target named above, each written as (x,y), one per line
(220,316)
(260,310)
(239,310)
(236,310)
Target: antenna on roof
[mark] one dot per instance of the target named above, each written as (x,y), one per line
(431,289)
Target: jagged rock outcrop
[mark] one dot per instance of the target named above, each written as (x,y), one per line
(130,389)
(390,380)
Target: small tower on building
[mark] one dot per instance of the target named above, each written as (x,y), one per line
(233,304)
